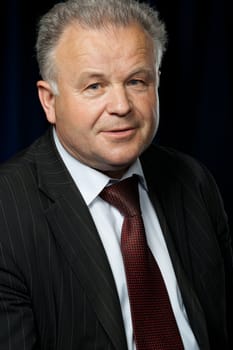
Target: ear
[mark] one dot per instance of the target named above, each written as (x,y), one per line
(47,100)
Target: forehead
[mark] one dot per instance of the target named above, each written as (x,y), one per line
(110,46)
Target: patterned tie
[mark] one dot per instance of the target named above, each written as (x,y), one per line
(153,320)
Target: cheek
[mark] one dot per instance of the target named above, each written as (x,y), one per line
(149,111)
(71,114)
(86,114)
(147,107)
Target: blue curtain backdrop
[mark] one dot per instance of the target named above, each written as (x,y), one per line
(195,90)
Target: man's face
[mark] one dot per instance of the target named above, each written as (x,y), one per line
(106,112)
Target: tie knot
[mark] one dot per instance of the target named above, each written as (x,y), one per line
(124,196)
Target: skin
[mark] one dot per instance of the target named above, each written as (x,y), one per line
(106,113)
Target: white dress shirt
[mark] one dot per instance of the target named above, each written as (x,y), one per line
(108,221)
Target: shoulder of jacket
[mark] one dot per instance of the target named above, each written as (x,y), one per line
(173,159)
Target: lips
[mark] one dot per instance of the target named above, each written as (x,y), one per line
(120,133)
(120,128)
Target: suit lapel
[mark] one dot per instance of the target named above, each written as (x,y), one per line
(166,196)
(74,230)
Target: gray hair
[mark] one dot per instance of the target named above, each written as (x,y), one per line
(94,14)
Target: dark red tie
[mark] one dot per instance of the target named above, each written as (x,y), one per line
(153,320)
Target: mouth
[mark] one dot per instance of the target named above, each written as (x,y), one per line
(121,134)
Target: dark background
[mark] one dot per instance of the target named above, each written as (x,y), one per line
(195,91)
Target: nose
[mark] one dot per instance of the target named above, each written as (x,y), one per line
(118,101)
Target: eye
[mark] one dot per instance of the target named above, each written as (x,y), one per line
(94,86)
(136,82)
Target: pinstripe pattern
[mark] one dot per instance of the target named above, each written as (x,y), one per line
(56,287)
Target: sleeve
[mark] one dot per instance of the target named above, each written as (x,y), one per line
(17,329)
(17,325)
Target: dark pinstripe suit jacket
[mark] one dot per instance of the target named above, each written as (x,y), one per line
(56,287)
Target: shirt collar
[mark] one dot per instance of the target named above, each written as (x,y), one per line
(89,181)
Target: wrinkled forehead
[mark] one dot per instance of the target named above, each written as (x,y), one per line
(75,31)
(77,41)
(109,49)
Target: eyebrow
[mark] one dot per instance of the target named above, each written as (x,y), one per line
(95,75)
(91,74)
(87,76)
(142,70)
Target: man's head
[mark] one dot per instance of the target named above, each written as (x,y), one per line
(100,79)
